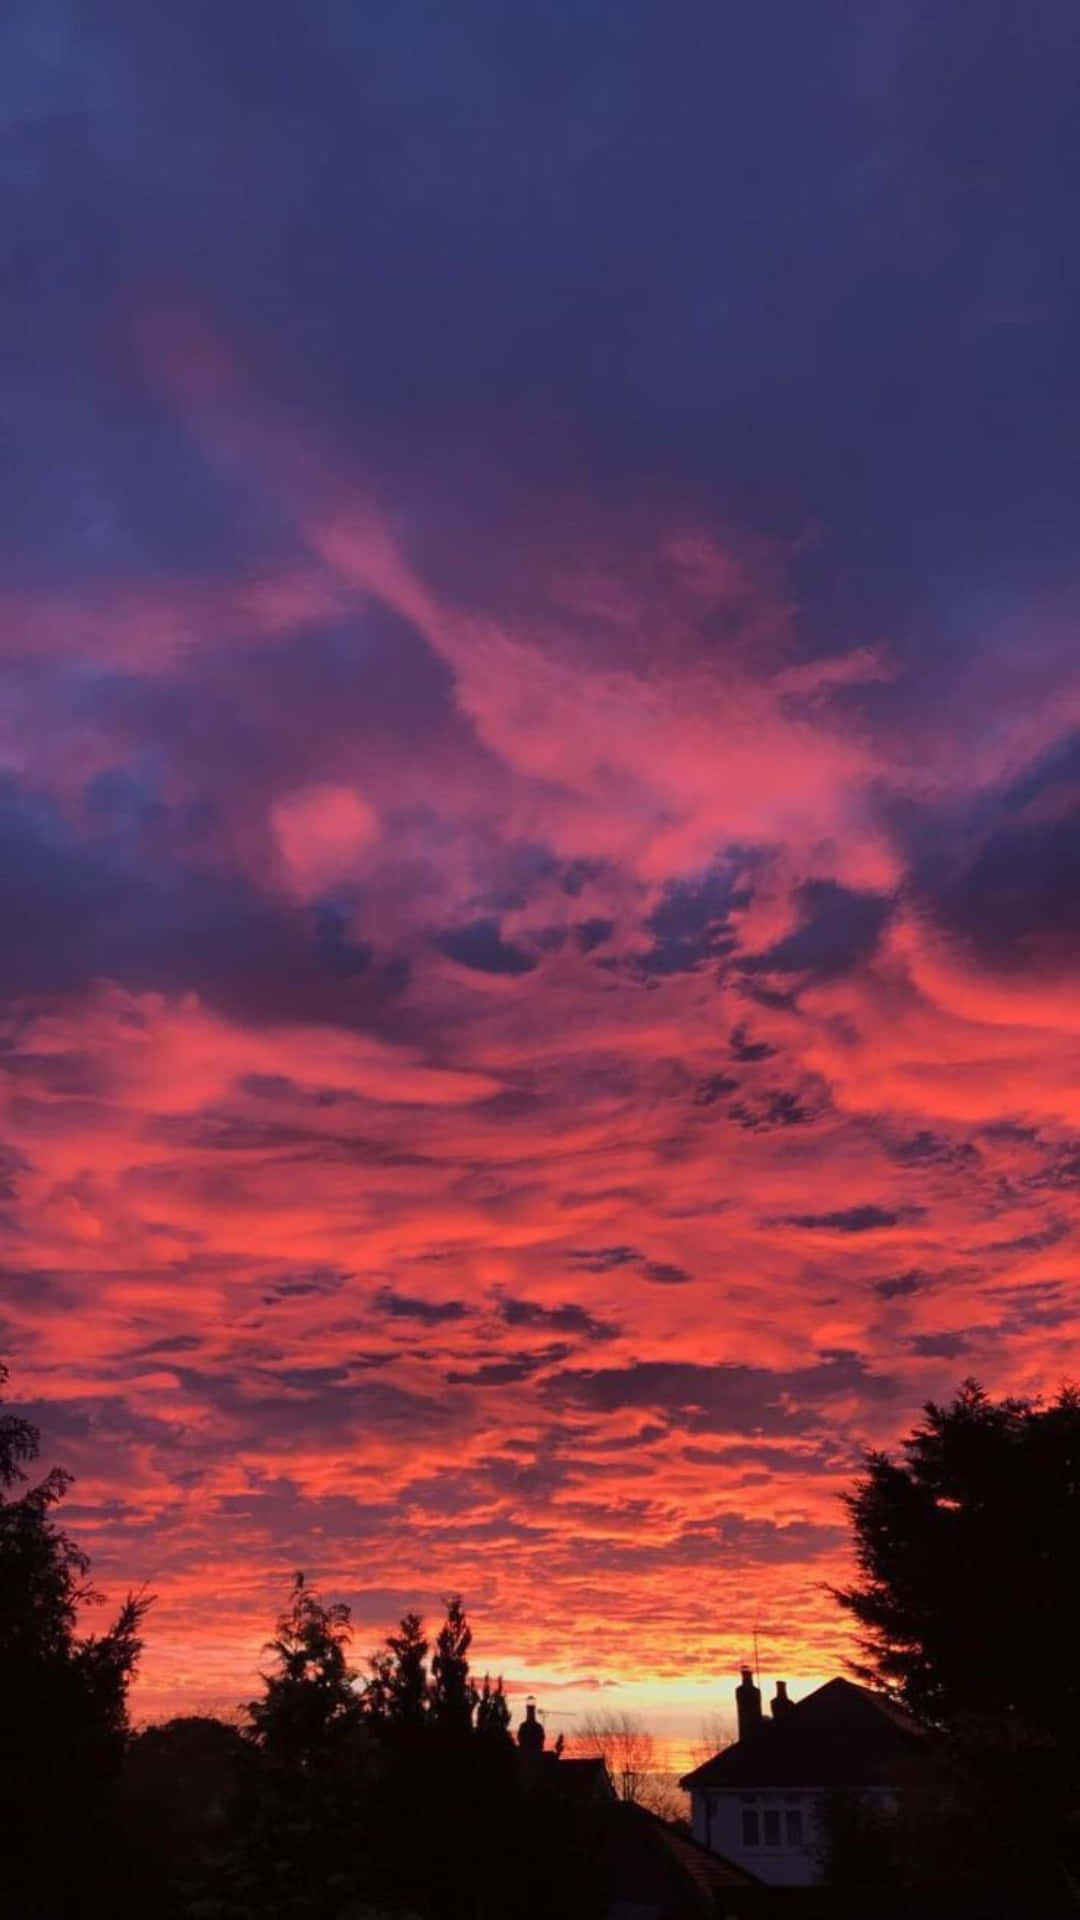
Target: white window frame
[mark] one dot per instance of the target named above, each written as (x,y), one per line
(783,1805)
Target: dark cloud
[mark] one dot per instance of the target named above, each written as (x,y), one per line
(928,1149)
(331,670)
(692,923)
(12,1163)
(593,933)
(664,1273)
(603,1259)
(84,908)
(578,875)
(661,1273)
(1036,1239)
(700,1544)
(535,1477)
(162,1349)
(940,1346)
(316,1283)
(897,1286)
(861,1219)
(99,1432)
(1034,1304)
(572,310)
(764,1459)
(713,1088)
(778,1108)
(480,947)
(1003,875)
(744,1399)
(339,952)
(407,1306)
(518,872)
(568,1318)
(509,1369)
(311,1403)
(749,1050)
(1062,1167)
(765,1541)
(839,930)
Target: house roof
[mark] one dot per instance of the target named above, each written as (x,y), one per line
(841,1735)
(649,1862)
(587,1777)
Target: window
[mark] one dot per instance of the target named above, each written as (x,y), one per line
(765,1823)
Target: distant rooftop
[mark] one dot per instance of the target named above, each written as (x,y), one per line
(841,1735)
(650,1862)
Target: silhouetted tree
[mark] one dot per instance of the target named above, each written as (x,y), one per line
(399,1676)
(969,1551)
(172,1811)
(63,1698)
(310,1699)
(859,1842)
(627,1749)
(492,1711)
(301,1818)
(968,1547)
(453,1696)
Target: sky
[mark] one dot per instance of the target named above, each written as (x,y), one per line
(539,801)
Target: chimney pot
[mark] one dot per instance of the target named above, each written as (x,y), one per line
(531,1734)
(748,1704)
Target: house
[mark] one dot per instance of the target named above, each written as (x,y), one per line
(649,1869)
(587,1778)
(759,1801)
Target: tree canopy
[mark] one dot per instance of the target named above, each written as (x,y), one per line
(64,1695)
(968,1548)
(45,1667)
(453,1695)
(310,1698)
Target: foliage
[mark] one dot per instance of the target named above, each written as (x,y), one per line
(298,1818)
(334,1800)
(64,1719)
(171,1808)
(492,1711)
(969,1551)
(968,1548)
(858,1841)
(310,1702)
(453,1697)
(397,1690)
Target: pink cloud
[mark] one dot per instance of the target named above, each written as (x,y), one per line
(595,1247)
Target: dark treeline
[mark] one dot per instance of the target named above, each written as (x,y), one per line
(395,1788)
(338,1793)
(399,1791)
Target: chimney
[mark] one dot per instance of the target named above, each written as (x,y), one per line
(531,1732)
(748,1704)
(780,1704)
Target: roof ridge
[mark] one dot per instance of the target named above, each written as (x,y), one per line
(859,1717)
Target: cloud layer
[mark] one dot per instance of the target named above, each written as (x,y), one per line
(539,808)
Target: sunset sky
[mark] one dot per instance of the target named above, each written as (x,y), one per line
(539,800)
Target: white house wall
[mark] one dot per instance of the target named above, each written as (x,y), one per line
(717,1819)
